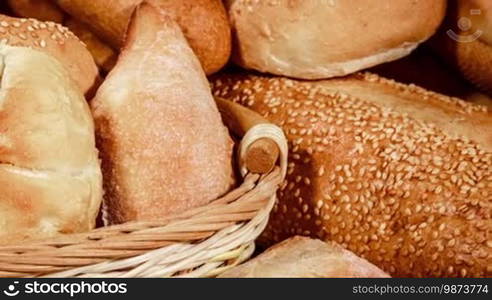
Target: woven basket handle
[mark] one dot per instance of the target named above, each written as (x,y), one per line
(263,144)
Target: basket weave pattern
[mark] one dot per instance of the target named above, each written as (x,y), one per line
(202,242)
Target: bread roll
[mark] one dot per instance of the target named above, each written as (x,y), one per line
(55,40)
(206,27)
(163,144)
(424,69)
(43,10)
(301,257)
(399,175)
(465,40)
(104,56)
(50,176)
(204,24)
(326,38)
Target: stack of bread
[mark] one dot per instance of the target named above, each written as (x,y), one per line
(161,142)
(394,174)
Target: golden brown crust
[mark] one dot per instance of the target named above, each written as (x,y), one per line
(163,145)
(321,39)
(301,257)
(55,40)
(469,50)
(106,18)
(203,22)
(42,10)
(49,170)
(206,27)
(394,173)
(104,56)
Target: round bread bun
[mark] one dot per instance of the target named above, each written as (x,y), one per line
(203,22)
(56,40)
(394,173)
(301,257)
(50,177)
(313,39)
(465,40)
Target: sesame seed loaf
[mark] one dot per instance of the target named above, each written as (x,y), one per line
(203,22)
(56,40)
(50,177)
(468,47)
(301,257)
(399,175)
(46,10)
(163,146)
(315,39)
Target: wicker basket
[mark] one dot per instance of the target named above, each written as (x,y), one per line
(202,242)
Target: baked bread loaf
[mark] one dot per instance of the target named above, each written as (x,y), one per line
(465,40)
(301,257)
(43,10)
(203,22)
(50,176)
(399,175)
(104,56)
(322,39)
(163,145)
(425,69)
(55,40)
(46,10)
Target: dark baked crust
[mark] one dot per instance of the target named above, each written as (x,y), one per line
(398,175)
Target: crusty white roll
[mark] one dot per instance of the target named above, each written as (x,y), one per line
(325,38)
(50,177)
(465,40)
(57,41)
(301,257)
(203,22)
(399,175)
(163,144)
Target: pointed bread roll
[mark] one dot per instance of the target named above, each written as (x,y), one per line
(163,144)
(204,23)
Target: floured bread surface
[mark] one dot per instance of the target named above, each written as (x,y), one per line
(163,144)
(50,179)
(302,257)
